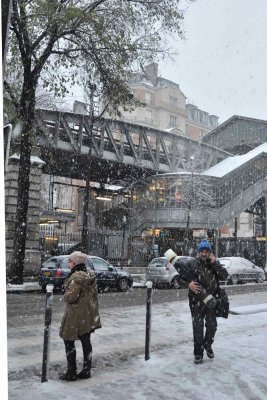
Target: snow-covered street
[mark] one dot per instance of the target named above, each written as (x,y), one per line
(238,371)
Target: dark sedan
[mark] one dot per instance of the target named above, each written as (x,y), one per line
(55,270)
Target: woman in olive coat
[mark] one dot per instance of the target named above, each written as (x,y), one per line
(81,315)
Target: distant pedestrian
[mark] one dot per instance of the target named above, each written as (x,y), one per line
(201,277)
(81,315)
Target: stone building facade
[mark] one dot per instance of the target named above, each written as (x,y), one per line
(164,106)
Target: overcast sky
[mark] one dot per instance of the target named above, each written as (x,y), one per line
(222,64)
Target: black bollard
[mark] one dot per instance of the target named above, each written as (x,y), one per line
(48,319)
(148,319)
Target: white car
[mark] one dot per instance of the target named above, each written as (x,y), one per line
(241,270)
(162,273)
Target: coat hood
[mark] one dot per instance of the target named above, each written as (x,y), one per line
(84,279)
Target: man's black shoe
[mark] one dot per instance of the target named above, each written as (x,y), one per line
(209,352)
(198,359)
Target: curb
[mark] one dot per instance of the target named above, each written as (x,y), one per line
(38,289)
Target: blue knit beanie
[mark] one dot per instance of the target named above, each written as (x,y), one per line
(204,245)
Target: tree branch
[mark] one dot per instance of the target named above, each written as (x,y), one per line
(15,22)
(23,28)
(8,88)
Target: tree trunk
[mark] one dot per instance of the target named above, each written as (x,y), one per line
(20,234)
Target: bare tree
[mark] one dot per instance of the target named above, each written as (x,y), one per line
(196,192)
(50,40)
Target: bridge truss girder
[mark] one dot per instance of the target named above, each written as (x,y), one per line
(66,138)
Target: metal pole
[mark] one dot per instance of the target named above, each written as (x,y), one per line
(153,242)
(85,230)
(265,231)
(47,334)
(148,319)
(235,237)
(123,239)
(216,242)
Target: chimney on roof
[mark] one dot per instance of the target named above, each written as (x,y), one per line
(152,72)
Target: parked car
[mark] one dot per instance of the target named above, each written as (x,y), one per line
(241,270)
(55,270)
(162,273)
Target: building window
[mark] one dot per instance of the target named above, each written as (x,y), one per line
(250,221)
(149,117)
(173,101)
(173,121)
(148,98)
(80,200)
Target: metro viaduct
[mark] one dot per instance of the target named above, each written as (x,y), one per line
(118,150)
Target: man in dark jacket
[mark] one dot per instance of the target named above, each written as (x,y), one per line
(201,277)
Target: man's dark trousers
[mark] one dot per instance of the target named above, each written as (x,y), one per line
(201,341)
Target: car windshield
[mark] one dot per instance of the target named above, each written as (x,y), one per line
(56,263)
(100,265)
(225,262)
(157,262)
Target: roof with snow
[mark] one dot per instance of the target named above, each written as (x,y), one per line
(238,135)
(231,163)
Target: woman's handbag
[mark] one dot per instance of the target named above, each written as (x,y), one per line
(222,307)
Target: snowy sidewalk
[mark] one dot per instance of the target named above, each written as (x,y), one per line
(120,371)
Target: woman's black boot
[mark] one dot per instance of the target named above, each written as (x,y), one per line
(87,356)
(86,371)
(70,375)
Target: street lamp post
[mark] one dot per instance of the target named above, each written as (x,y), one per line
(123,239)
(265,196)
(85,229)
(190,195)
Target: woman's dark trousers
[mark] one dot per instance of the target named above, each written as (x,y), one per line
(87,356)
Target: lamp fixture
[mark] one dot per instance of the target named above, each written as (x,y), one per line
(103,198)
(64,210)
(48,222)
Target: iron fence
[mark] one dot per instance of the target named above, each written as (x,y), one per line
(135,251)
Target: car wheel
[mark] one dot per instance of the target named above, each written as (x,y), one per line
(123,285)
(260,278)
(234,279)
(175,283)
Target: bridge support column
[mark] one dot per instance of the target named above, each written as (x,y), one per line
(32,253)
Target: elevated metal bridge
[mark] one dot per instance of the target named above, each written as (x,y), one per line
(117,148)
(121,149)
